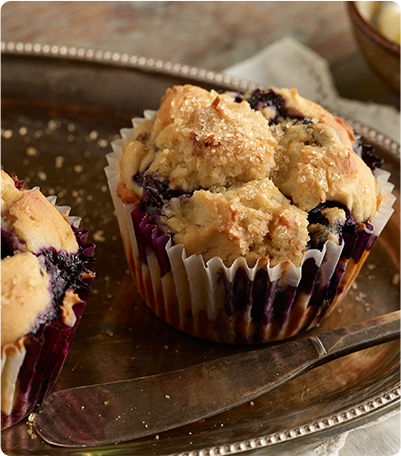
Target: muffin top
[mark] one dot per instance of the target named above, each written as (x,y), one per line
(34,235)
(200,140)
(234,174)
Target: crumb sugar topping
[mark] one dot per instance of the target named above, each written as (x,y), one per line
(233,176)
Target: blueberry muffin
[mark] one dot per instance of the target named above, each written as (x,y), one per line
(46,273)
(251,213)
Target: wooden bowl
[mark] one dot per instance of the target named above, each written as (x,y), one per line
(382,55)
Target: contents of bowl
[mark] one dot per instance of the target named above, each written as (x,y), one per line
(388,21)
(46,273)
(385,16)
(246,216)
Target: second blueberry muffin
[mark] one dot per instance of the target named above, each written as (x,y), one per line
(46,272)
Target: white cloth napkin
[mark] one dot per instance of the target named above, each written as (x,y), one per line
(288,63)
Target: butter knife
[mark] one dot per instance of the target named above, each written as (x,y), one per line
(130,409)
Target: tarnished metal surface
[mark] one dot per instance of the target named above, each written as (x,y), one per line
(59,114)
(118,412)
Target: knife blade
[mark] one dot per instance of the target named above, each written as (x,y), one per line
(115,412)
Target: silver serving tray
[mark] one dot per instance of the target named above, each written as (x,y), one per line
(61,108)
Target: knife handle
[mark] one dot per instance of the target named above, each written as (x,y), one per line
(359,336)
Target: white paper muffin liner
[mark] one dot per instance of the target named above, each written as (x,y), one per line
(31,366)
(239,304)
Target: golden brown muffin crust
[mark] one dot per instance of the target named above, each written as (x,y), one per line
(253,182)
(33,219)
(308,108)
(240,221)
(314,166)
(201,139)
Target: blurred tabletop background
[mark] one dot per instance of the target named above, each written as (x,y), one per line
(212,35)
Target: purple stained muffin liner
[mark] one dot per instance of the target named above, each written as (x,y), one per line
(239,304)
(266,303)
(47,349)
